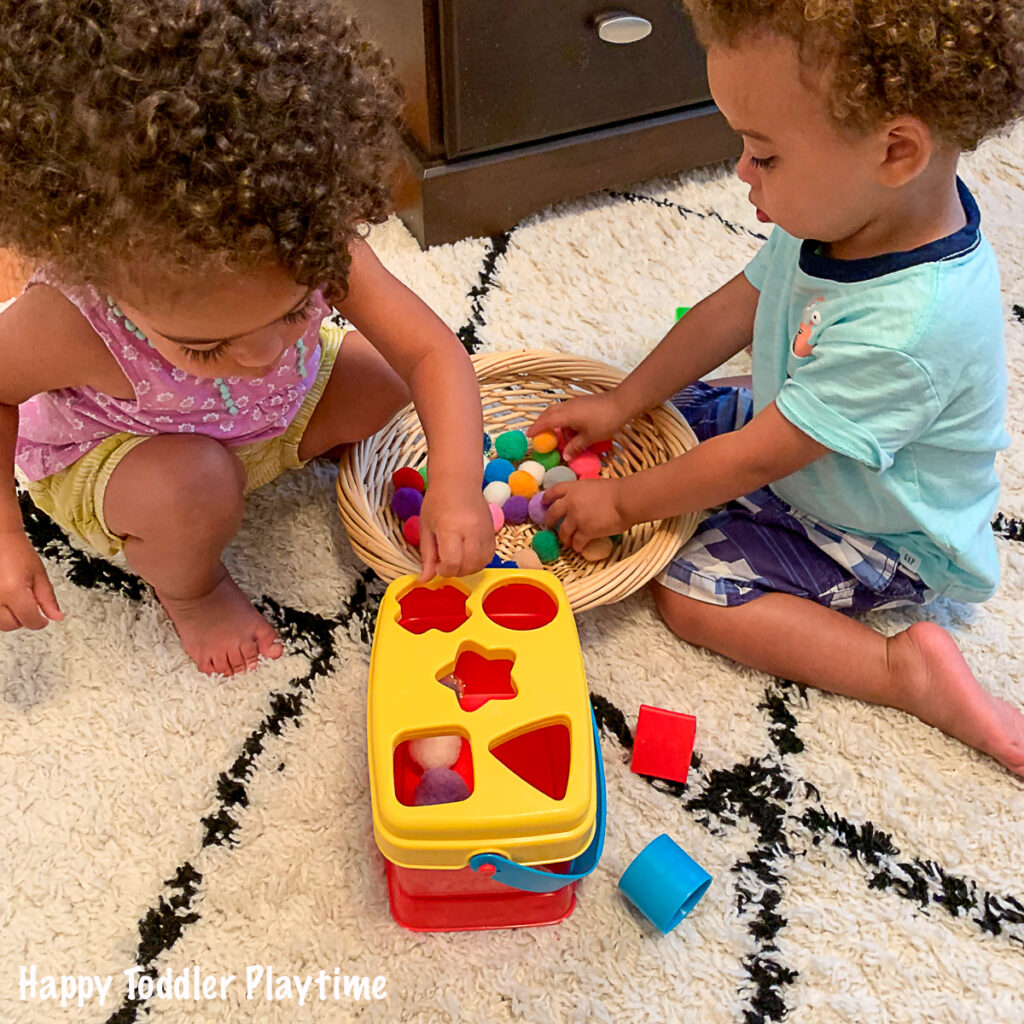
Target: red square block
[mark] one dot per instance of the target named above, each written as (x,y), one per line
(663,743)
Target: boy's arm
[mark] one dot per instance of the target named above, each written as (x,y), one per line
(724,467)
(711,332)
(432,361)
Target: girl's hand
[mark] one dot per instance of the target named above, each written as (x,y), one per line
(456,530)
(590,418)
(26,597)
(587,509)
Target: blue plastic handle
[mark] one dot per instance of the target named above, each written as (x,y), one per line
(519,876)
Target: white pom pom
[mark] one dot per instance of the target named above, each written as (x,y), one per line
(497,493)
(435,751)
(535,469)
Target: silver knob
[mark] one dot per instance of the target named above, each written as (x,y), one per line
(623,28)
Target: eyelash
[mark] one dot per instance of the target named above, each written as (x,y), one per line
(208,355)
(761,162)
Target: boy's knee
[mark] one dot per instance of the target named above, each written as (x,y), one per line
(683,615)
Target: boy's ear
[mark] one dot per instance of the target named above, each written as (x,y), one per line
(908,146)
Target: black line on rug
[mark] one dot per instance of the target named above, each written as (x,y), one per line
(920,881)
(1008,527)
(496,248)
(1018,312)
(162,926)
(685,211)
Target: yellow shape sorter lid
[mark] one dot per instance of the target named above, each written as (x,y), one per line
(493,659)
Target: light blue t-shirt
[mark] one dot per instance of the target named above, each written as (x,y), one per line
(896,364)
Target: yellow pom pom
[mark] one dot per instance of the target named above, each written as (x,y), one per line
(523,483)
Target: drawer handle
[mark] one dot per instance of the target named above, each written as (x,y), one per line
(622,28)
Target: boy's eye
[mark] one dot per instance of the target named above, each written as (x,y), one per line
(762,162)
(206,355)
(303,313)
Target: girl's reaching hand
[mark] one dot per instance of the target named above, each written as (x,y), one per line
(26,596)
(589,418)
(586,509)
(456,530)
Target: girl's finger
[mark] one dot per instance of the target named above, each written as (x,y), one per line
(8,623)
(26,610)
(449,554)
(552,494)
(428,555)
(47,599)
(556,510)
(553,416)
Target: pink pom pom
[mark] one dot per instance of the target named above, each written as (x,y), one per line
(411,530)
(586,465)
(497,517)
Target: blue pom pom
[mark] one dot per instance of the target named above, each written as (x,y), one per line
(498,469)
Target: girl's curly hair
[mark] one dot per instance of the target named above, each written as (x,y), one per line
(958,65)
(205,133)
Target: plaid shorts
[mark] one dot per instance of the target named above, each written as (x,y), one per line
(759,545)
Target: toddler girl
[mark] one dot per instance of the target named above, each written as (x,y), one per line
(190,178)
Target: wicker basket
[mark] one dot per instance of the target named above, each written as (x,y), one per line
(515,387)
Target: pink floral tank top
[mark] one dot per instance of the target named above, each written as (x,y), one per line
(58,427)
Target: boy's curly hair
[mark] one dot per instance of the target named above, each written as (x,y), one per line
(958,65)
(204,133)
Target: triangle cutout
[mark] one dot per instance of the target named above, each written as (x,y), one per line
(539,757)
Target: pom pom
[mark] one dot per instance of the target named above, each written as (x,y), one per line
(523,484)
(406,502)
(408,477)
(423,473)
(545,441)
(411,530)
(534,468)
(511,445)
(527,558)
(498,469)
(598,549)
(497,492)
(600,448)
(558,475)
(440,786)
(497,562)
(515,510)
(537,510)
(488,443)
(548,459)
(545,544)
(435,751)
(586,465)
(497,517)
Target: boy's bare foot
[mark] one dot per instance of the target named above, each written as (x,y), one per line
(221,631)
(940,689)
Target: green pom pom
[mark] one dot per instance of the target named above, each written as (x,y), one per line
(423,473)
(545,543)
(511,445)
(548,459)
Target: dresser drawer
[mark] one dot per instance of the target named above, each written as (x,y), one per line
(514,71)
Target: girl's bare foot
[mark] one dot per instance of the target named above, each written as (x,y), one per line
(221,631)
(939,688)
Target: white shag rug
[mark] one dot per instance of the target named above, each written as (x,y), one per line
(866,868)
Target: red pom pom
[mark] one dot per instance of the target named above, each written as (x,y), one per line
(411,529)
(408,477)
(602,448)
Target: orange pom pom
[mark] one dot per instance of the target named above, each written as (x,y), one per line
(545,441)
(523,483)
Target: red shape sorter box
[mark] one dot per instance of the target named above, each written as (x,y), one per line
(663,743)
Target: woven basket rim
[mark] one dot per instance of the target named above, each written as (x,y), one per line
(376,546)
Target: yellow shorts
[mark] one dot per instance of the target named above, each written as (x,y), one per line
(73,497)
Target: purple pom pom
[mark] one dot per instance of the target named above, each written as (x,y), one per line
(538,510)
(440,786)
(406,502)
(516,509)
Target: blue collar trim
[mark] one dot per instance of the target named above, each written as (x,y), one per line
(968,238)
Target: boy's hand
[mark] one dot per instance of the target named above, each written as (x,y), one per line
(588,418)
(26,596)
(456,530)
(587,509)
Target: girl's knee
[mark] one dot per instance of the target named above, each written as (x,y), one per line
(189,481)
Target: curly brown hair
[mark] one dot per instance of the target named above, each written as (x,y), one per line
(958,65)
(228,133)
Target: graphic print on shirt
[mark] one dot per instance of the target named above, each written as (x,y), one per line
(809,319)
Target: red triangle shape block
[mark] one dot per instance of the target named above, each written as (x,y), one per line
(539,757)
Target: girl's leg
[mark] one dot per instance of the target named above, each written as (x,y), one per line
(177,501)
(362,394)
(920,670)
